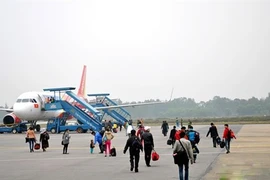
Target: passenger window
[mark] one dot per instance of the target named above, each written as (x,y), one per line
(25,100)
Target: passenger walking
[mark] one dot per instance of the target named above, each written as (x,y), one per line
(140,131)
(98,139)
(30,135)
(44,139)
(129,128)
(194,138)
(177,122)
(107,137)
(165,128)
(92,146)
(134,145)
(172,135)
(184,146)
(65,141)
(148,141)
(214,134)
(177,134)
(227,136)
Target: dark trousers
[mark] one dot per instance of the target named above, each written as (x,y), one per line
(31,144)
(214,141)
(173,142)
(227,144)
(135,156)
(181,174)
(147,154)
(101,147)
(65,148)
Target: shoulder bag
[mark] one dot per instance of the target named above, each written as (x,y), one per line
(181,156)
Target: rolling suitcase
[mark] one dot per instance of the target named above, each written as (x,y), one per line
(113,152)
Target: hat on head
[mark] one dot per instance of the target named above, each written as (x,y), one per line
(147,128)
(42,130)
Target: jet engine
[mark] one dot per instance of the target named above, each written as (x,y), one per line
(11,119)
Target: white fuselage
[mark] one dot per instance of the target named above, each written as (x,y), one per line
(29,107)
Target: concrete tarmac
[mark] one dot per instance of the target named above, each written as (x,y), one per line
(17,163)
(249,158)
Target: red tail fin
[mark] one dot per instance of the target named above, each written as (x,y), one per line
(81,91)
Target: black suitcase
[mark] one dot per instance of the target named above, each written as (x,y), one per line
(169,141)
(113,151)
(218,140)
(222,144)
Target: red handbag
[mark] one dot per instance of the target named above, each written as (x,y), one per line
(155,156)
(37,146)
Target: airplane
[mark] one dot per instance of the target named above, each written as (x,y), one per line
(29,106)
(24,108)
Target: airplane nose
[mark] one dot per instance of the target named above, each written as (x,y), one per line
(19,110)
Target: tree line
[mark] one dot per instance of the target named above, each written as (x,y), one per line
(188,108)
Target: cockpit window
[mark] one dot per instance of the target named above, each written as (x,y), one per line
(19,100)
(33,101)
(25,100)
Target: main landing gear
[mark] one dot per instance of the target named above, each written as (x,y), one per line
(35,126)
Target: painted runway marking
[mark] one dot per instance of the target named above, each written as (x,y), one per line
(80,157)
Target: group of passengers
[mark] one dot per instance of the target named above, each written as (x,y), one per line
(50,99)
(103,138)
(32,140)
(44,140)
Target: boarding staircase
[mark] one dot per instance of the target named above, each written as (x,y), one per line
(92,119)
(81,116)
(119,114)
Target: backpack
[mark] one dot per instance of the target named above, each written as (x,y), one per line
(194,136)
(191,135)
(197,137)
(230,134)
(136,144)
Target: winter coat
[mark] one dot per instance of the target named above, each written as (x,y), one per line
(65,138)
(44,139)
(213,131)
(147,138)
(98,138)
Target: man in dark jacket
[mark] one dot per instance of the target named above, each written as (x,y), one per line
(165,128)
(214,134)
(148,141)
(134,145)
(172,135)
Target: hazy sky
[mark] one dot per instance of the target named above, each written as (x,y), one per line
(136,50)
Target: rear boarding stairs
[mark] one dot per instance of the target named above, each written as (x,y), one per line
(119,114)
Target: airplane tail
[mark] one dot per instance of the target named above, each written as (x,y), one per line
(81,91)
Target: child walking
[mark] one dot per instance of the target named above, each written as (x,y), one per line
(92,146)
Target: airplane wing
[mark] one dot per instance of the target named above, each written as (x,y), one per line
(127,105)
(7,110)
